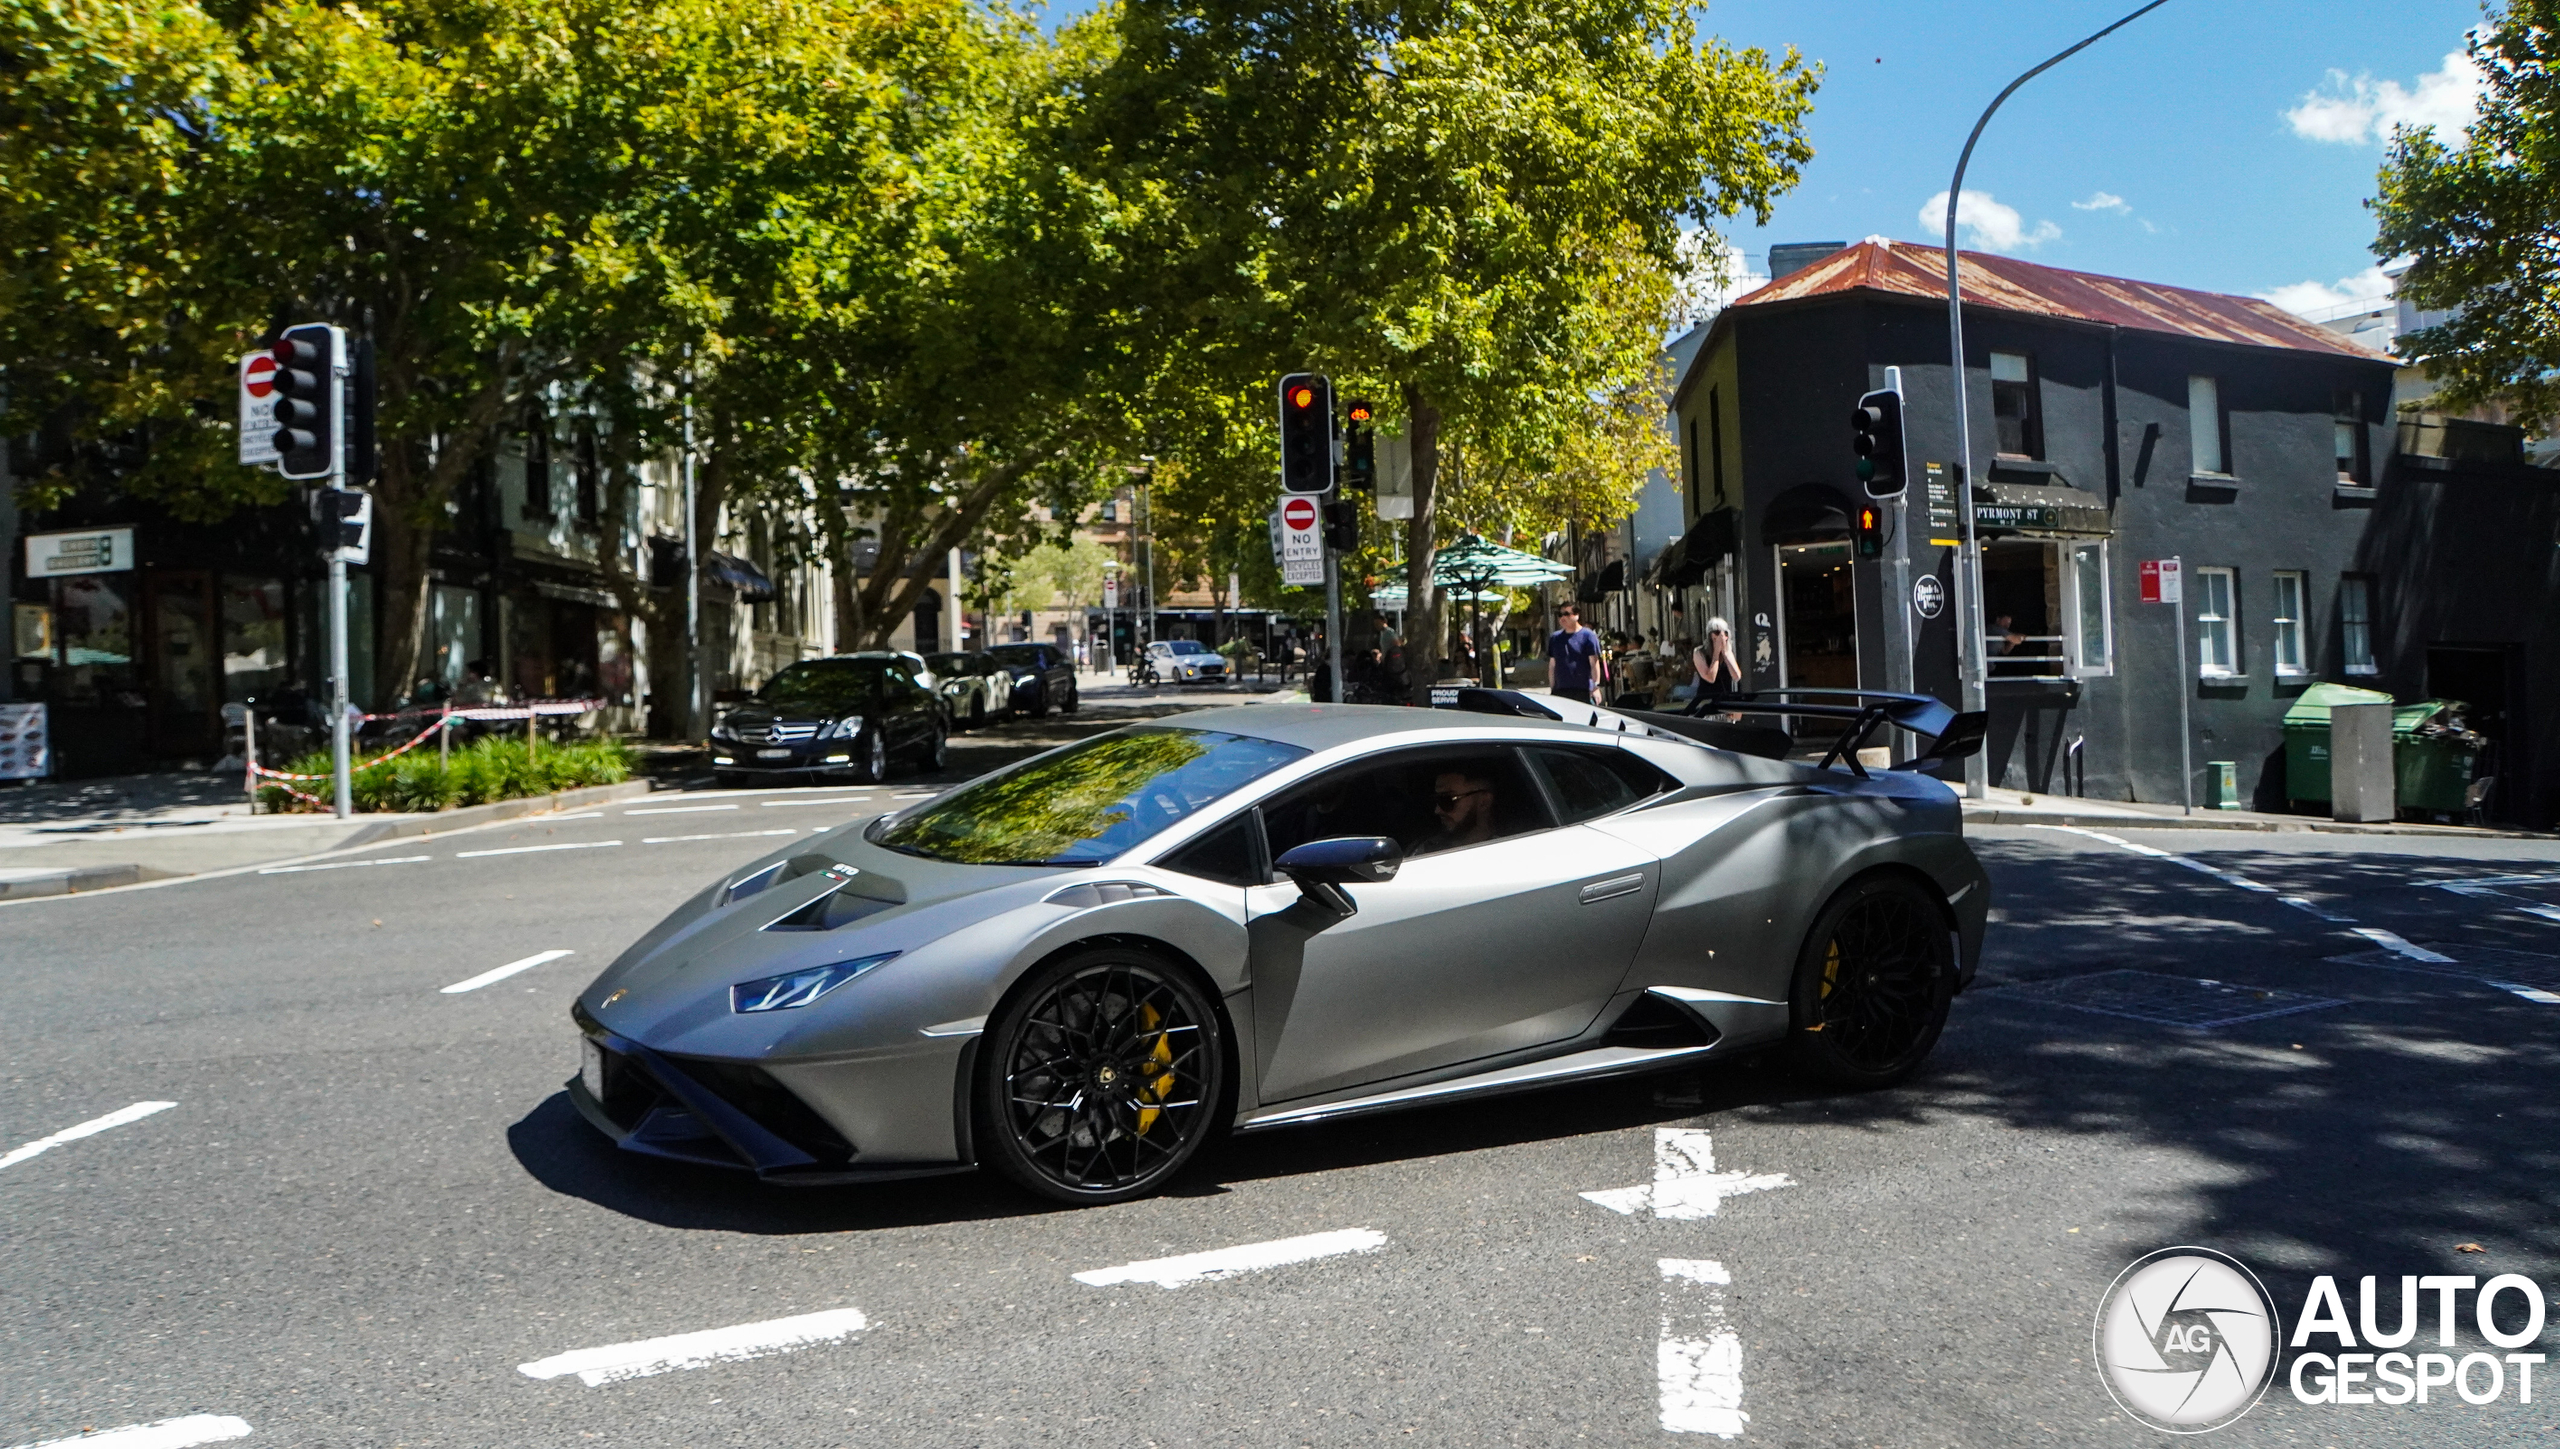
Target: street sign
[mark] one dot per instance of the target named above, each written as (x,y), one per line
(258,409)
(1928,596)
(2160,581)
(90,551)
(1944,517)
(1301,542)
(1110,592)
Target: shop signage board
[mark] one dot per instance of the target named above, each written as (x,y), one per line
(2160,581)
(88,551)
(22,742)
(1928,596)
(258,409)
(1301,541)
(1943,508)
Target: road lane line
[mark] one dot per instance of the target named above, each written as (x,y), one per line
(343,865)
(182,1433)
(2480,892)
(581,815)
(2391,942)
(731,835)
(529,849)
(833,800)
(1686,1185)
(1230,1262)
(1698,1362)
(616,1362)
(501,973)
(90,1128)
(678,809)
(2529,993)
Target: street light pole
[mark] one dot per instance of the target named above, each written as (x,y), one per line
(1969,643)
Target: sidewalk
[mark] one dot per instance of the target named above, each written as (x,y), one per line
(63,836)
(2012,807)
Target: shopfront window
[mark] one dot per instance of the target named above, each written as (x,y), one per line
(2023,610)
(453,636)
(94,627)
(254,661)
(2217,624)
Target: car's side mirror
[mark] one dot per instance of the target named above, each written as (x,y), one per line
(1323,867)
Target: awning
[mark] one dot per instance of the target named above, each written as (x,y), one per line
(2040,510)
(749,581)
(1717,534)
(1804,513)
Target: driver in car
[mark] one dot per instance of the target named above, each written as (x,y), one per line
(1462,803)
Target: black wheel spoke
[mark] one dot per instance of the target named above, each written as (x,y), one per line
(1103,1082)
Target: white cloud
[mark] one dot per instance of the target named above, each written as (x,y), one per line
(2322,301)
(2351,112)
(2098,201)
(1993,227)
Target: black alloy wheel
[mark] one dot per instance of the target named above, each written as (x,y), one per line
(875,765)
(938,749)
(1040,699)
(1073,699)
(1873,984)
(1102,1077)
(978,711)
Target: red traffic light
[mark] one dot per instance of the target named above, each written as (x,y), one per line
(1359,412)
(1302,396)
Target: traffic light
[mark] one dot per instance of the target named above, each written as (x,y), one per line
(1878,440)
(310,414)
(1360,447)
(1341,526)
(1870,531)
(1306,433)
(344,520)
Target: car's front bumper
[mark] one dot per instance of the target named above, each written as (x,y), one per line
(801,757)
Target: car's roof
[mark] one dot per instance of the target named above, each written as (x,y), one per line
(1323,726)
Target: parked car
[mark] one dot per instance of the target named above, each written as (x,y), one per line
(1187,661)
(916,665)
(1043,971)
(1044,677)
(974,687)
(844,717)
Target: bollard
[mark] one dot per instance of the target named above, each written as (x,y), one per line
(2360,767)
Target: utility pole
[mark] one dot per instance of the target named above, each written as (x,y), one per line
(1147,541)
(1969,641)
(695,726)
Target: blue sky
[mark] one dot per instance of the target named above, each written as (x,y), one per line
(2228,146)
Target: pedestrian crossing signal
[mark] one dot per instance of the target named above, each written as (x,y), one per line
(1870,531)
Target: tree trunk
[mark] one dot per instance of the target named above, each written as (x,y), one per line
(408,507)
(1422,631)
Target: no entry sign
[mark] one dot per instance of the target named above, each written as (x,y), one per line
(1301,545)
(258,409)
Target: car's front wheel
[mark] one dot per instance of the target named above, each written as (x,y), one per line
(938,750)
(1101,1078)
(1873,983)
(875,762)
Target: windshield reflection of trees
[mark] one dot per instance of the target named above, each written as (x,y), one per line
(1089,802)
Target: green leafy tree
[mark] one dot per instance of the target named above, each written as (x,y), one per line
(2479,217)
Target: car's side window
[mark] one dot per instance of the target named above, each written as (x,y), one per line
(1593,783)
(1229,854)
(1425,800)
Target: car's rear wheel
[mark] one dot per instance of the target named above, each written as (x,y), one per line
(1873,983)
(875,763)
(938,750)
(1073,699)
(978,711)
(1102,1077)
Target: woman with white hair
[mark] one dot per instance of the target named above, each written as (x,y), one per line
(1719,671)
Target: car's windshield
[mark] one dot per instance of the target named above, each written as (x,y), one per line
(947,663)
(831,687)
(1087,803)
(1187,646)
(1024,654)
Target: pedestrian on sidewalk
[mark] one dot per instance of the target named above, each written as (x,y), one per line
(1719,671)
(1575,668)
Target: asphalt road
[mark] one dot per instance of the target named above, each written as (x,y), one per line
(371,1203)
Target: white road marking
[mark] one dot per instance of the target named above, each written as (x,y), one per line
(1229,1262)
(182,1433)
(529,849)
(833,800)
(616,1362)
(581,815)
(2391,942)
(679,809)
(90,1128)
(343,865)
(1685,1185)
(2477,891)
(2529,993)
(731,835)
(1698,1362)
(916,795)
(501,973)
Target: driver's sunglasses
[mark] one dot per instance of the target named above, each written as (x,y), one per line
(1450,801)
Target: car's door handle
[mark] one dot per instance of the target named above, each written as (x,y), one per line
(1612,888)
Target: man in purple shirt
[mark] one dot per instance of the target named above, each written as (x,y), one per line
(1573,658)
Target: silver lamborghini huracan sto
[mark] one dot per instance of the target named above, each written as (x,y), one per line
(1078,969)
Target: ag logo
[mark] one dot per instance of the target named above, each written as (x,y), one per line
(2186,1340)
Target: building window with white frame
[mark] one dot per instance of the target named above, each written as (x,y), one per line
(2017,413)
(2217,624)
(2204,426)
(2355,623)
(2291,657)
(2092,640)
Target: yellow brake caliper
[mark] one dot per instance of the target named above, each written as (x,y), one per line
(1830,976)
(1157,1088)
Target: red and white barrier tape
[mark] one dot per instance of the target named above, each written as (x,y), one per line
(443,720)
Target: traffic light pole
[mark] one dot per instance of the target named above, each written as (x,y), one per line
(1901,607)
(1333,619)
(344,783)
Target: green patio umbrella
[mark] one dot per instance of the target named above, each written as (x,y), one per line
(1472,566)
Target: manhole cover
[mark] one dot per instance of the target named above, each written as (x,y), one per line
(2182,1001)
(2493,964)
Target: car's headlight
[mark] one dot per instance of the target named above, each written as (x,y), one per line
(720,731)
(843,729)
(798,988)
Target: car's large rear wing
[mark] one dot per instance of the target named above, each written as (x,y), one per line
(1861,712)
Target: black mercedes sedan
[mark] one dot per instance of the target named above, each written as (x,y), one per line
(841,718)
(1044,677)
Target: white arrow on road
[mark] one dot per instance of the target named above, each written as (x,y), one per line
(1685,1181)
